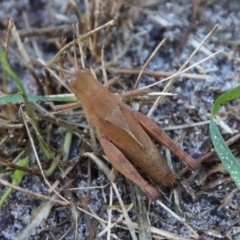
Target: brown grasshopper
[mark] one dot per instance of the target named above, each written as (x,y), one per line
(125,134)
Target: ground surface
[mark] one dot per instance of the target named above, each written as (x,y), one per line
(207,198)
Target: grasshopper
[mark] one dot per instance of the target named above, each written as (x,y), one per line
(125,135)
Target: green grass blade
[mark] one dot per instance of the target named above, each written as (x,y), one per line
(11,73)
(39,215)
(16,179)
(225,98)
(18,174)
(30,112)
(5,196)
(224,153)
(18,98)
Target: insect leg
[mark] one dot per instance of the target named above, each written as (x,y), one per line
(121,163)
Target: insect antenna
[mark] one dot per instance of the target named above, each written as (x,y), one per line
(80,45)
(74,49)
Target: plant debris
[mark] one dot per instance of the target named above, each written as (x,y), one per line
(66,188)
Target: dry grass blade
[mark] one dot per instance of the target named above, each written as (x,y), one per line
(185,126)
(183,71)
(110,177)
(25,118)
(39,217)
(9,125)
(20,46)
(8,38)
(159,73)
(4,73)
(171,82)
(105,79)
(212,152)
(33,195)
(128,221)
(110,214)
(11,165)
(24,54)
(85,36)
(54,74)
(174,76)
(101,165)
(119,220)
(183,221)
(141,214)
(147,62)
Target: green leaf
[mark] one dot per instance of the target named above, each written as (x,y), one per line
(224,153)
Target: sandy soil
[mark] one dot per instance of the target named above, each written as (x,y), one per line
(207,199)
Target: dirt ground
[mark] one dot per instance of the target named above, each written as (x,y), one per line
(202,204)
